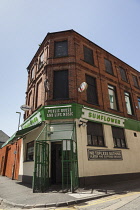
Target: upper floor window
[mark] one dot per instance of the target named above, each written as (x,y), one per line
(128,103)
(112,97)
(38,94)
(88,55)
(91,90)
(60,85)
(118,137)
(41,59)
(30,151)
(139,103)
(33,73)
(108,66)
(61,49)
(123,74)
(95,135)
(135,81)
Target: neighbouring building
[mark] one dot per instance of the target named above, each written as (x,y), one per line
(3,137)
(78,138)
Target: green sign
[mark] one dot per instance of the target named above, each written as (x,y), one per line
(95,115)
(59,112)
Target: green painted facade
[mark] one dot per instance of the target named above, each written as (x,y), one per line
(76,111)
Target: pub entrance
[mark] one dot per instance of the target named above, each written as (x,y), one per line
(56,163)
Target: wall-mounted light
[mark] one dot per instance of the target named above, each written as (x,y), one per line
(82,122)
(51,130)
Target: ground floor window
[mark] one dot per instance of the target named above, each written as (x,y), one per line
(30,151)
(95,134)
(118,137)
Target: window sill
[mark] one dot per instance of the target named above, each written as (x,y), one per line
(91,103)
(89,63)
(120,147)
(115,110)
(96,146)
(59,99)
(64,56)
(110,74)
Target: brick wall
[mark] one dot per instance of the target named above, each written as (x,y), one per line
(10,159)
(78,68)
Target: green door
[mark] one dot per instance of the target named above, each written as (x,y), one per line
(41,169)
(69,166)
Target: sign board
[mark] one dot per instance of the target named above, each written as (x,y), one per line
(59,112)
(101,154)
(32,121)
(95,115)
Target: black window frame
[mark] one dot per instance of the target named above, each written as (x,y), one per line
(119,139)
(138,98)
(95,133)
(123,74)
(135,81)
(130,100)
(63,52)
(41,61)
(108,66)
(92,88)
(60,85)
(88,55)
(27,152)
(115,94)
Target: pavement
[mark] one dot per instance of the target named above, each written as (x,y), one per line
(16,195)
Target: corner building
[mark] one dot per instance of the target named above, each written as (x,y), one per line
(76,138)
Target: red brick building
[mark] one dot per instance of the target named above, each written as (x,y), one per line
(78,138)
(76,58)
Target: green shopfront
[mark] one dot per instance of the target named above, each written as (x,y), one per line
(72,145)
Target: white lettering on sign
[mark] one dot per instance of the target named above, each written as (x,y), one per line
(32,121)
(59,112)
(102,117)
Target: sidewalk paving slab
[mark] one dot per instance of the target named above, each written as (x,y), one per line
(14,194)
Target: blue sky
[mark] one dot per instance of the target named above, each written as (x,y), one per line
(112,24)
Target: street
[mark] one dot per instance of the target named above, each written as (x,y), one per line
(128,201)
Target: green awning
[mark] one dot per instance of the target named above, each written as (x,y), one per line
(21,133)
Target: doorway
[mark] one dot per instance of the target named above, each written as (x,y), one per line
(56,163)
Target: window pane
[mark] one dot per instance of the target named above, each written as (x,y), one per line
(123,74)
(89,140)
(100,141)
(91,90)
(95,140)
(61,49)
(135,80)
(88,55)
(118,142)
(108,66)
(128,103)
(96,131)
(139,103)
(118,137)
(60,85)
(30,151)
(112,97)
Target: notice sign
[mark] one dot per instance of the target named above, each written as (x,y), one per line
(62,112)
(100,154)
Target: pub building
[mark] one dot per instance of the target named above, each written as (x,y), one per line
(83,125)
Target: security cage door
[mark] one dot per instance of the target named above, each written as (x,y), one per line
(69,166)
(41,169)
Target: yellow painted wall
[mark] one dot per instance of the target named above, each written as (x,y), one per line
(131,156)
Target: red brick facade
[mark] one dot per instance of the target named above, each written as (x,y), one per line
(10,159)
(77,70)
